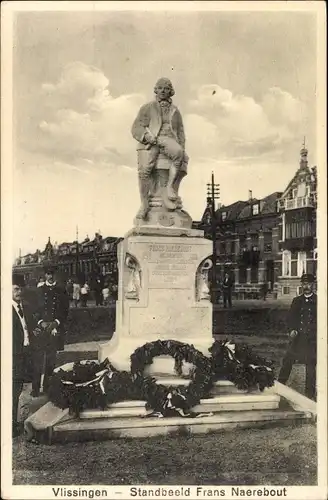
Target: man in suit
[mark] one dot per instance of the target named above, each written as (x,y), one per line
(303,335)
(52,312)
(227,290)
(22,331)
(98,287)
(158,128)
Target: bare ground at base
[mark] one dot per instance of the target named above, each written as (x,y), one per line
(276,456)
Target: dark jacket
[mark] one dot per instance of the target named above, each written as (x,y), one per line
(52,305)
(227,284)
(303,319)
(22,365)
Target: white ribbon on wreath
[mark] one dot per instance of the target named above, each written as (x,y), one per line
(255,367)
(99,376)
(231,349)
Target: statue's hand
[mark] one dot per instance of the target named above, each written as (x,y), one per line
(150,139)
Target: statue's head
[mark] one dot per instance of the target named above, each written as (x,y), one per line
(164,88)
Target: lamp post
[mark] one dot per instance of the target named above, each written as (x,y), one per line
(213,193)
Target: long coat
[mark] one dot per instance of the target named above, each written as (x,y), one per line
(303,319)
(22,362)
(53,304)
(150,117)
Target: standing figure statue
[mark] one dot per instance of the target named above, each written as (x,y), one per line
(158,128)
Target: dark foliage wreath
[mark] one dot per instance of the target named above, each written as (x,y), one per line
(237,363)
(166,400)
(92,384)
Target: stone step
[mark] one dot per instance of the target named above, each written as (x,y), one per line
(230,402)
(114,428)
(220,387)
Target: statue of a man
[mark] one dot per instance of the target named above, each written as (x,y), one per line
(158,128)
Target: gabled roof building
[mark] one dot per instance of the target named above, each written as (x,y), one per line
(268,242)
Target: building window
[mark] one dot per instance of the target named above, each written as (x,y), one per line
(208,218)
(294,195)
(268,247)
(286,263)
(301,190)
(223,247)
(301,263)
(255,209)
(242,274)
(254,274)
(299,290)
(224,216)
(280,232)
(232,246)
(285,290)
(299,229)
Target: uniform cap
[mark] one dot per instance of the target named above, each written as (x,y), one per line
(307,278)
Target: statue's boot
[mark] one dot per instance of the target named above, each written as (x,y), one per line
(144,185)
(142,212)
(171,193)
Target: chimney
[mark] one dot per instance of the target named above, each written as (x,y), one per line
(250,195)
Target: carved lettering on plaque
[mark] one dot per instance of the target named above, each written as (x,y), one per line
(171,265)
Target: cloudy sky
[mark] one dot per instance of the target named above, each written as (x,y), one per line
(245,84)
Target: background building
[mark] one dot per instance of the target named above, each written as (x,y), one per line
(247,244)
(297,229)
(268,243)
(82,261)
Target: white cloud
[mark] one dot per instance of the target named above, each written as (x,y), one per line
(237,124)
(282,108)
(85,120)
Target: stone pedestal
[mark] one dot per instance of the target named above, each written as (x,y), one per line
(163,293)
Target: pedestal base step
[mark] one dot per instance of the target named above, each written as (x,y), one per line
(115,428)
(126,419)
(231,402)
(220,387)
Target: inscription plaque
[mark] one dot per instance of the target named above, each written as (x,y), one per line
(171,265)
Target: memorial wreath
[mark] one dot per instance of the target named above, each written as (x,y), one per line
(94,384)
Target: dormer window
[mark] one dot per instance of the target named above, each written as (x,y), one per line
(208,218)
(224,216)
(301,190)
(255,209)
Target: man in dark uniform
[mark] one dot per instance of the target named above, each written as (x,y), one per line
(22,331)
(303,334)
(98,286)
(52,311)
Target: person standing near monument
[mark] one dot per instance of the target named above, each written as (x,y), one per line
(303,335)
(52,311)
(227,290)
(22,332)
(158,128)
(98,287)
